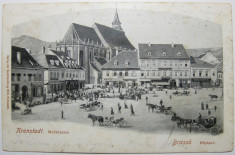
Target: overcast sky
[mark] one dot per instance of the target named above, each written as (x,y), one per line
(140,26)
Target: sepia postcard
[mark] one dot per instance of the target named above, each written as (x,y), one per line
(117,77)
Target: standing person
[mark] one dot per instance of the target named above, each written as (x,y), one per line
(161,102)
(202,106)
(146,99)
(62,114)
(166,92)
(132,111)
(119,109)
(112,113)
(125,105)
(209,112)
(215,108)
(207,106)
(170,97)
(195,91)
(101,106)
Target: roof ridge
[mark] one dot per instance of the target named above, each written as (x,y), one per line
(110,27)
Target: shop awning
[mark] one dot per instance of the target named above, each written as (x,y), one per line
(160,83)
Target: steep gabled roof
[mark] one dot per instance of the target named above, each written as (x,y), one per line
(162,51)
(114,38)
(101,60)
(45,61)
(84,33)
(197,63)
(220,66)
(65,57)
(210,58)
(27,61)
(121,59)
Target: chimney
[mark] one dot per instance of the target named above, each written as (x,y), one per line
(18,57)
(43,50)
(172,45)
(149,44)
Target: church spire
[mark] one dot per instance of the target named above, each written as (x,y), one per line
(116,24)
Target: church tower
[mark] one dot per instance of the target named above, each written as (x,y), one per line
(116,24)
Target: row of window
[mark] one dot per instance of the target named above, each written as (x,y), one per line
(127,63)
(200,73)
(116,73)
(163,63)
(55,75)
(164,73)
(29,77)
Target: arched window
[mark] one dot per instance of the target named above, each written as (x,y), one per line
(90,56)
(81,58)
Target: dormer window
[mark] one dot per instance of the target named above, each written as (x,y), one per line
(57,62)
(52,62)
(18,57)
(164,53)
(179,54)
(149,54)
(115,63)
(127,63)
(31,62)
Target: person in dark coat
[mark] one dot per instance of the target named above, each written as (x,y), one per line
(161,102)
(215,108)
(132,111)
(119,109)
(112,113)
(202,106)
(62,114)
(209,112)
(146,99)
(170,97)
(207,106)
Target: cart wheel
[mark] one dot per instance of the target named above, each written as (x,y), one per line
(123,123)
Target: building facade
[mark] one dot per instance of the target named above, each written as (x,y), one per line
(73,74)
(122,71)
(26,75)
(203,74)
(166,65)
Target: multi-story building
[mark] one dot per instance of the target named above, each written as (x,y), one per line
(166,65)
(54,80)
(123,70)
(73,74)
(202,73)
(26,75)
(88,45)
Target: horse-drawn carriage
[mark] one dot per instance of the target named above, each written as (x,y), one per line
(179,93)
(92,106)
(116,122)
(200,124)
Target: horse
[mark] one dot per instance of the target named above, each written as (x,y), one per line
(94,118)
(151,106)
(213,96)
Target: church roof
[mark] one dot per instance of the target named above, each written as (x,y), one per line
(162,51)
(114,38)
(119,61)
(82,32)
(27,61)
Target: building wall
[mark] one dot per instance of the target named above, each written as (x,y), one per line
(125,76)
(27,81)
